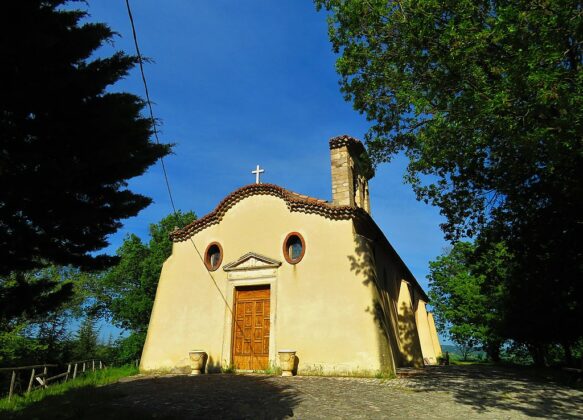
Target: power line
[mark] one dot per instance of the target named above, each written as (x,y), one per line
(166,180)
(149,103)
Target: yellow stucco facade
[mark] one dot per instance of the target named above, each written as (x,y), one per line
(339,307)
(425,334)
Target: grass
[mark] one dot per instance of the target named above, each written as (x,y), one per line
(273,370)
(385,375)
(91,379)
(228,368)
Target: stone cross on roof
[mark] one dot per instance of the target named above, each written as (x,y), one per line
(257,173)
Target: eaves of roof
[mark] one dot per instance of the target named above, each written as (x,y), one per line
(294,201)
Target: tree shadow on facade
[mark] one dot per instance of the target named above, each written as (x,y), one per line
(377,263)
(409,337)
(481,387)
(213,366)
(489,387)
(173,397)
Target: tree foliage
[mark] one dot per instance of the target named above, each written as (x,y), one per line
(125,293)
(484,95)
(35,319)
(485,98)
(32,294)
(65,296)
(67,144)
(87,340)
(466,292)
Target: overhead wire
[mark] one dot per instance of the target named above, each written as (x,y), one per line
(166,179)
(149,103)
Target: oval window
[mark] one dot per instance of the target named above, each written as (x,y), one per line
(294,248)
(213,256)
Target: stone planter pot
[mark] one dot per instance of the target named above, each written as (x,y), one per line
(197,361)
(287,359)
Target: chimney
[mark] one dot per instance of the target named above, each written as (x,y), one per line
(351,170)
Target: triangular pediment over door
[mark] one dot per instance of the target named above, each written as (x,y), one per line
(252,261)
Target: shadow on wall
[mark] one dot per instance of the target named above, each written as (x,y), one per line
(203,396)
(410,346)
(398,329)
(296,364)
(213,366)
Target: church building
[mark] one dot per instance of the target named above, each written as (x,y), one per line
(270,269)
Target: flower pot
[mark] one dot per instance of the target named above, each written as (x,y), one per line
(287,359)
(197,361)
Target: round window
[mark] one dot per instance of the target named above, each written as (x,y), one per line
(213,256)
(294,248)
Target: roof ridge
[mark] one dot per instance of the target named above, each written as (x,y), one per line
(294,201)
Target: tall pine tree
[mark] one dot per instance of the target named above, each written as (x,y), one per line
(67,144)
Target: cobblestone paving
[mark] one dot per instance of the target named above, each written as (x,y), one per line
(435,393)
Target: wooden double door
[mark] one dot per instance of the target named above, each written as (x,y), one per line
(251,328)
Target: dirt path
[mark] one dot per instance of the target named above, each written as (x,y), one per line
(437,393)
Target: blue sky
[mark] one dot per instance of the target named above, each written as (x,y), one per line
(236,84)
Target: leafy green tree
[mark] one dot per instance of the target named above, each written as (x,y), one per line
(53,334)
(67,144)
(86,341)
(108,352)
(129,348)
(465,292)
(16,348)
(37,329)
(485,98)
(125,293)
(494,264)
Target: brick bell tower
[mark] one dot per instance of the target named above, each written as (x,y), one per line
(351,170)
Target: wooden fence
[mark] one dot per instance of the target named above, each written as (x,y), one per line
(39,373)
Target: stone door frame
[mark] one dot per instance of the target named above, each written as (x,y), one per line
(251,269)
(230,295)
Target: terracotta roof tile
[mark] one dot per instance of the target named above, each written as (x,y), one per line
(295,202)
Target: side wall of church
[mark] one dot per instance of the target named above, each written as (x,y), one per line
(381,274)
(434,336)
(323,306)
(411,354)
(425,339)
(394,307)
